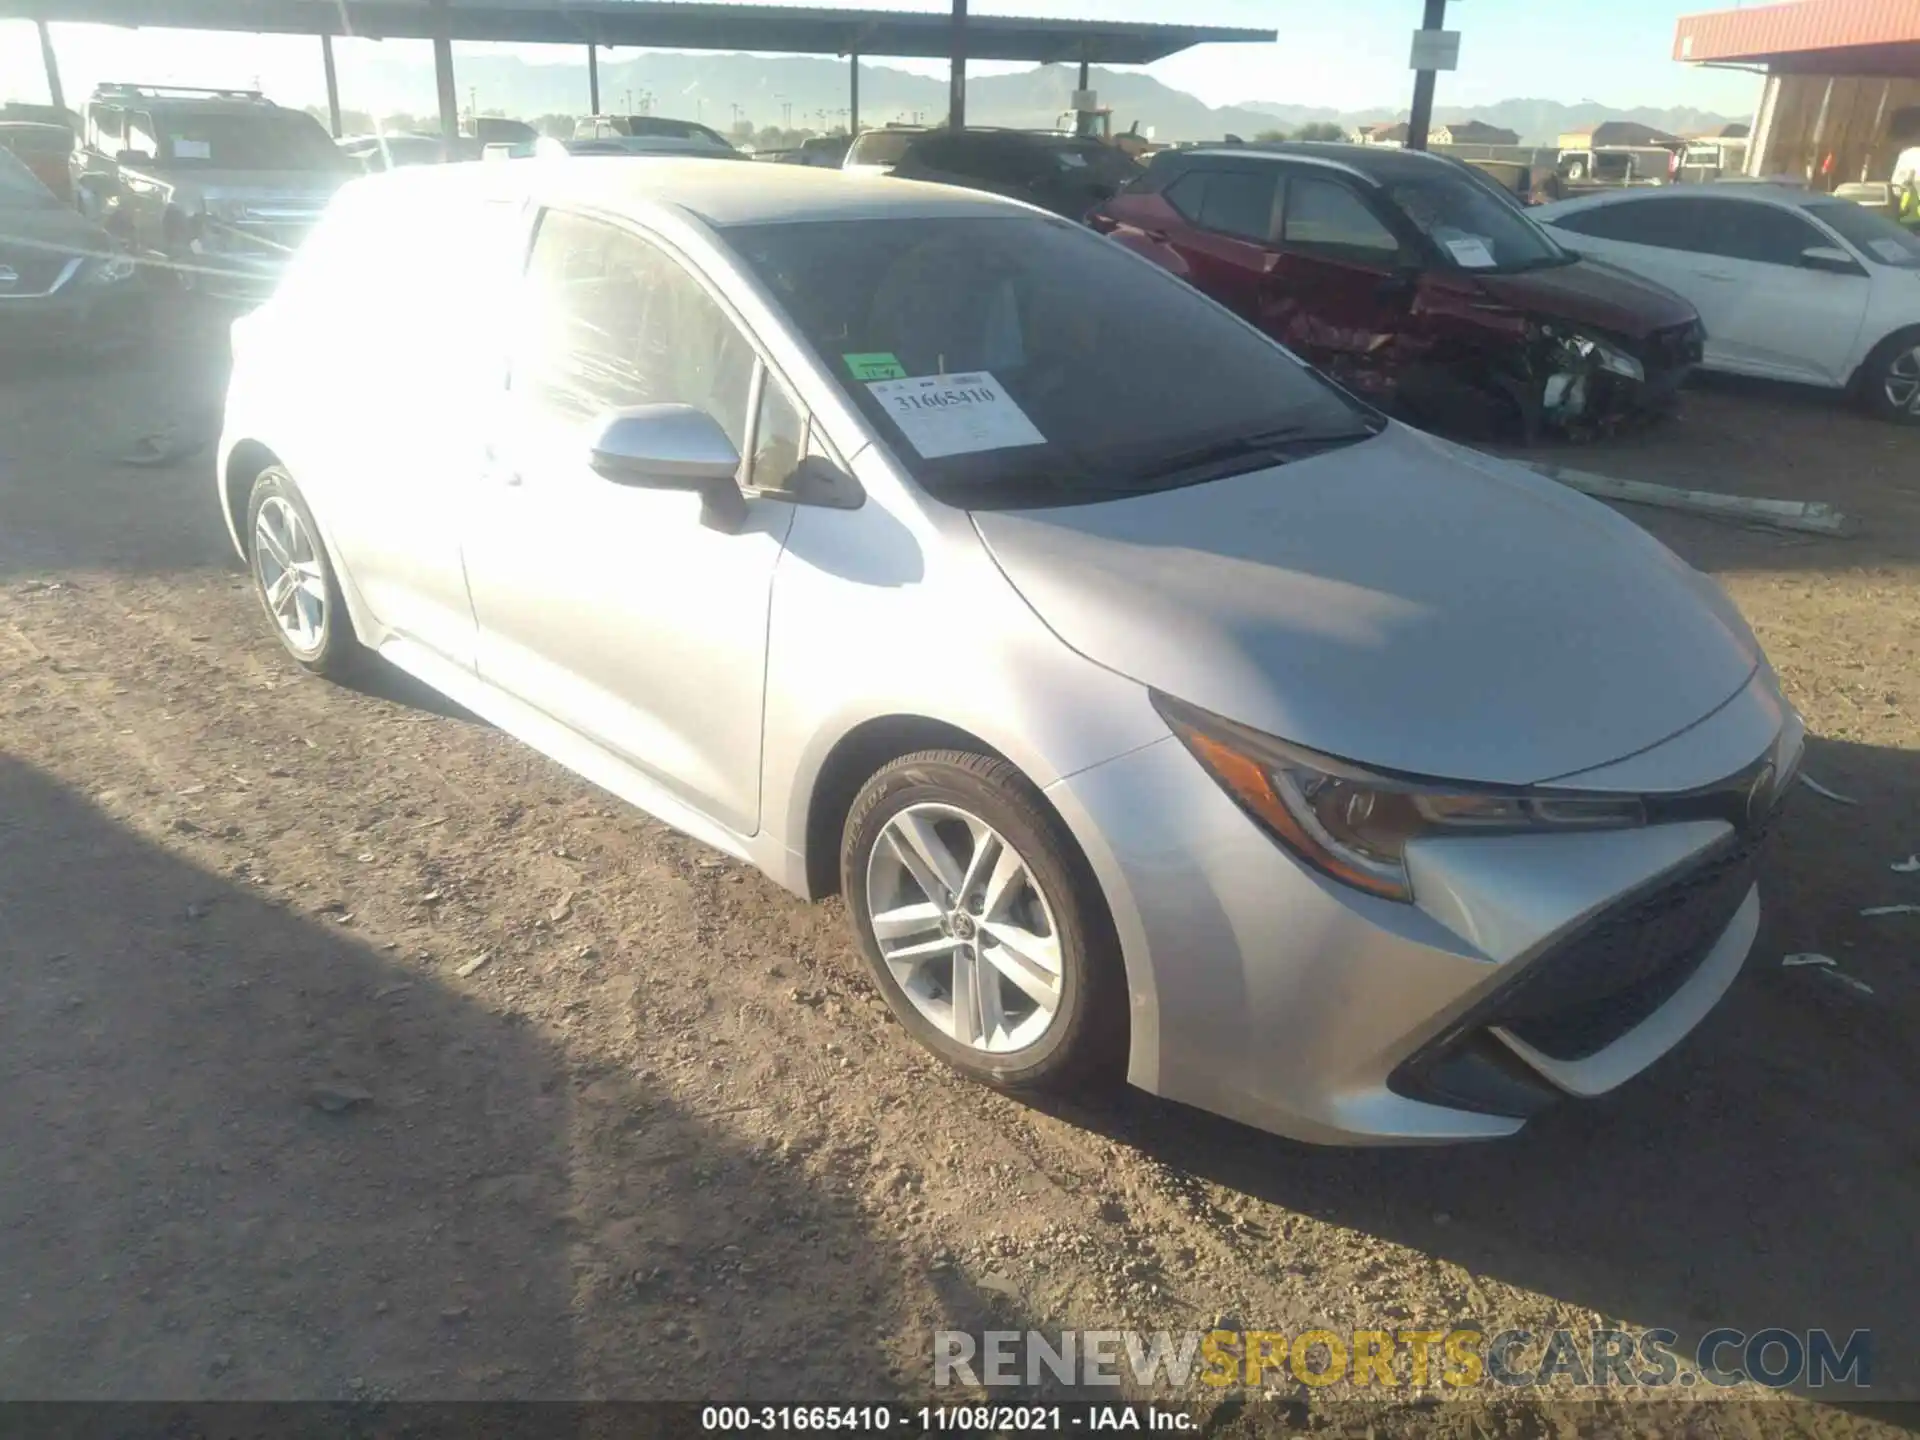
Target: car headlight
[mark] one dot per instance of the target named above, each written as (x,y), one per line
(1354,825)
(1577,349)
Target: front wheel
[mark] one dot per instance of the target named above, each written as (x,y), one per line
(983,925)
(1890,380)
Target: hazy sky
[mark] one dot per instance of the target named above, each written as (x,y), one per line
(1351,55)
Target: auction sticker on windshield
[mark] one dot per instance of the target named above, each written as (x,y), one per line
(1892,251)
(945,415)
(879,365)
(1471,252)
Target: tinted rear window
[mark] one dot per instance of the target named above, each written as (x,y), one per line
(1116,365)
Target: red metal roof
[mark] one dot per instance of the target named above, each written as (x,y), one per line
(1806,25)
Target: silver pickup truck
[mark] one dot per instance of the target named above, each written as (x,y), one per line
(219,186)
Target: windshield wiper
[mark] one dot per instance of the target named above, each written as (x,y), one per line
(1233,454)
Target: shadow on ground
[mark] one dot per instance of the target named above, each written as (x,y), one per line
(249,1156)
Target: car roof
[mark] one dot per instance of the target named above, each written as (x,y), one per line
(718,192)
(1757,191)
(1382,164)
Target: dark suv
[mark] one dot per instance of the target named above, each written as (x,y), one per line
(220,185)
(1061,173)
(1411,281)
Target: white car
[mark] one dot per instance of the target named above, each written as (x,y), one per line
(876,152)
(1792,285)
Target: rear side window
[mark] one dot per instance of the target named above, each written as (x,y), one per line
(1239,203)
(1324,217)
(1666,223)
(616,321)
(1765,234)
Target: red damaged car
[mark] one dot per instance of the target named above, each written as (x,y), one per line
(1412,281)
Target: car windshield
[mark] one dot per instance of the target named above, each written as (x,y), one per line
(1473,228)
(253,140)
(880,147)
(1874,236)
(1083,371)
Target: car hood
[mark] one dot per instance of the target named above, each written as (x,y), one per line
(1403,603)
(1591,292)
(55,226)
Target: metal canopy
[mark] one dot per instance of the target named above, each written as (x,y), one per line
(658,24)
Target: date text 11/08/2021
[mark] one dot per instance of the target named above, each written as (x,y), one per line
(943,1419)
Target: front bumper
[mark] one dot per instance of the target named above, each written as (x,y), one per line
(1529,969)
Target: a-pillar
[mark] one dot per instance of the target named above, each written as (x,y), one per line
(333,84)
(55,93)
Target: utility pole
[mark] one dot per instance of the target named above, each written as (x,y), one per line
(1426,66)
(957,72)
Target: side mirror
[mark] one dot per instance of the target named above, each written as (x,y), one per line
(672,447)
(1830,258)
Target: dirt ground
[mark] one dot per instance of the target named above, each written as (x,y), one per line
(268,1132)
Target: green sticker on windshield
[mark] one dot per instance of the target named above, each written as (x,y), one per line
(878,366)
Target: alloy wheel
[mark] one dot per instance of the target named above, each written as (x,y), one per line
(964,928)
(1903,382)
(287,561)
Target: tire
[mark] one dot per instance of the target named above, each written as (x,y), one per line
(1052,910)
(321,640)
(1889,381)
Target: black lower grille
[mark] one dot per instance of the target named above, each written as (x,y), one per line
(1629,961)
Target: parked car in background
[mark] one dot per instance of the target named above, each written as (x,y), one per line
(45,149)
(1061,173)
(219,185)
(876,152)
(1611,167)
(824,152)
(1792,284)
(375,153)
(1412,281)
(1876,195)
(63,279)
(641,145)
(650,127)
(676,471)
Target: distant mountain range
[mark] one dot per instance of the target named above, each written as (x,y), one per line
(804,92)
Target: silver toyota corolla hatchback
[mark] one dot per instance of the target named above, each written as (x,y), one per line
(1157,707)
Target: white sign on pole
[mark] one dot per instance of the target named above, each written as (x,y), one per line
(1436,50)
